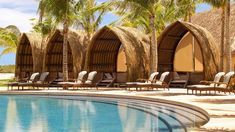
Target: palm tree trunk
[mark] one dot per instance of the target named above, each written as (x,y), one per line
(227,40)
(153,46)
(222,40)
(65,51)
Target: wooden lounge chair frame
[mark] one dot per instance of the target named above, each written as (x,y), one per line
(151,79)
(205,85)
(161,83)
(31,80)
(217,85)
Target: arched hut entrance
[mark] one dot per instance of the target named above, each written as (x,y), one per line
(28,54)
(171,38)
(110,44)
(54,54)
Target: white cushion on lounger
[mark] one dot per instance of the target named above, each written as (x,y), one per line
(200,86)
(146,83)
(158,83)
(130,83)
(88,82)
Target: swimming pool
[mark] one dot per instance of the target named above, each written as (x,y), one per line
(93,114)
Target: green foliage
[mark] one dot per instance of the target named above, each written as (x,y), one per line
(7,69)
(44,27)
(216,3)
(9,37)
(59,11)
(89,14)
(137,14)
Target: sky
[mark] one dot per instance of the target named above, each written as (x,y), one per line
(19,13)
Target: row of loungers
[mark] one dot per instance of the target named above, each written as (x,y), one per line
(34,83)
(149,84)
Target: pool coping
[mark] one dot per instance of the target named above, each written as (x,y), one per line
(116,96)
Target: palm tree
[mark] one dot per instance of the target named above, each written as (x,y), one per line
(9,37)
(62,12)
(223,5)
(228,55)
(187,7)
(89,15)
(165,13)
(144,8)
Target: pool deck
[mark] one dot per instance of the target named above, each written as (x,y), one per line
(220,107)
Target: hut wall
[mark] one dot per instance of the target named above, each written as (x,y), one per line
(121,61)
(170,38)
(28,54)
(184,52)
(104,48)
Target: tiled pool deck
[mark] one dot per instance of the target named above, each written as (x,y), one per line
(221,107)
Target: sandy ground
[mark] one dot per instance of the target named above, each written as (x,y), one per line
(4,76)
(221,107)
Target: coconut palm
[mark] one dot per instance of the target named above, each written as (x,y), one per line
(187,7)
(61,12)
(9,37)
(145,8)
(89,15)
(222,4)
(165,13)
(228,55)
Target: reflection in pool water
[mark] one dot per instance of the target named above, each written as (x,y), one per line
(36,114)
(95,114)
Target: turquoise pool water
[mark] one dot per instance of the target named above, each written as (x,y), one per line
(47,114)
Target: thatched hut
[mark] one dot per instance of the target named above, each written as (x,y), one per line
(28,54)
(211,20)
(110,44)
(53,60)
(170,39)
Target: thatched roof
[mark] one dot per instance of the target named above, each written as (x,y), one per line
(211,20)
(28,52)
(104,47)
(76,52)
(171,37)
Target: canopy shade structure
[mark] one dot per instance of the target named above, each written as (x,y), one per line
(53,61)
(28,55)
(104,48)
(170,38)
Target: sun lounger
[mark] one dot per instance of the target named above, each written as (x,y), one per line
(107,80)
(180,79)
(206,84)
(80,84)
(151,79)
(161,83)
(224,86)
(80,80)
(31,80)
(32,84)
(89,83)
(217,86)
(42,81)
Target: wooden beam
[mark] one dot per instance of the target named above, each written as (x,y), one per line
(101,64)
(107,39)
(25,54)
(166,63)
(166,50)
(104,52)
(174,36)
